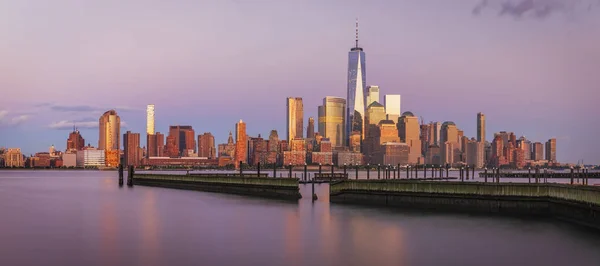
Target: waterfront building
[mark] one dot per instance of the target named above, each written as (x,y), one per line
(206,146)
(110,128)
(273,152)
(13,158)
(481,127)
(408,131)
(551,150)
(185,140)
(91,157)
(433,155)
(70,159)
(323,158)
(538,151)
(392,107)
(75,142)
(392,153)
(109,137)
(332,120)
(475,153)
(450,143)
(131,149)
(155,145)
(241,143)
(294,118)
(357,80)
(372,94)
(348,158)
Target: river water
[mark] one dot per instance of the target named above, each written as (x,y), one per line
(85,218)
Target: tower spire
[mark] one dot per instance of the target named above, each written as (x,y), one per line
(356,32)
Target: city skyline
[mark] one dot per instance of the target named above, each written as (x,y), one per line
(545,107)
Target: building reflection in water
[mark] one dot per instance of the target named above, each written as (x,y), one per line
(109,233)
(150,246)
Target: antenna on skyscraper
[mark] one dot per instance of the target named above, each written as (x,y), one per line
(356,32)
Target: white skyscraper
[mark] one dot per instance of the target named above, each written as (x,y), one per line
(372,95)
(150,119)
(392,107)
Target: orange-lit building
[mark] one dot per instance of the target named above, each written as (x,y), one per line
(241,143)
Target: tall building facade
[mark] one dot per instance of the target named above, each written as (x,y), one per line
(310,130)
(241,143)
(357,80)
(392,107)
(109,137)
(551,150)
(332,121)
(449,142)
(475,153)
(409,133)
(131,149)
(538,151)
(372,95)
(150,119)
(14,158)
(110,128)
(206,146)
(185,139)
(294,118)
(75,142)
(481,127)
(155,145)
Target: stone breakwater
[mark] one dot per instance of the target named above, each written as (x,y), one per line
(279,188)
(573,203)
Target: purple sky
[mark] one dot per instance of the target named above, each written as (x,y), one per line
(534,70)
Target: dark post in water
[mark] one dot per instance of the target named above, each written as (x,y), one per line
(120,174)
(130,174)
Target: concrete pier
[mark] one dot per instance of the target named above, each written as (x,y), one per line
(280,188)
(576,204)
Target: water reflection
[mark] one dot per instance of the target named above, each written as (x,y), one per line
(150,245)
(64,219)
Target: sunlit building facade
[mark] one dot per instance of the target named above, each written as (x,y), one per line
(332,121)
(357,80)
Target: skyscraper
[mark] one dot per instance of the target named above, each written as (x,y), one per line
(551,150)
(155,145)
(357,78)
(75,142)
(131,149)
(310,130)
(150,119)
(481,127)
(408,131)
(110,127)
(332,121)
(206,146)
(392,107)
(372,95)
(538,151)
(294,117)
(241,143)
(448,142)
(185,139)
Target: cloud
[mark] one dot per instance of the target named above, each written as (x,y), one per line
(74,108)
(89,108)
(86,124)
(19,119)
(538,9)
(66,124)
(5,120)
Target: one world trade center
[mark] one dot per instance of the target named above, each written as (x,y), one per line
(355,111)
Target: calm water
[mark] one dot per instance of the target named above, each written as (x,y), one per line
(84,218)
